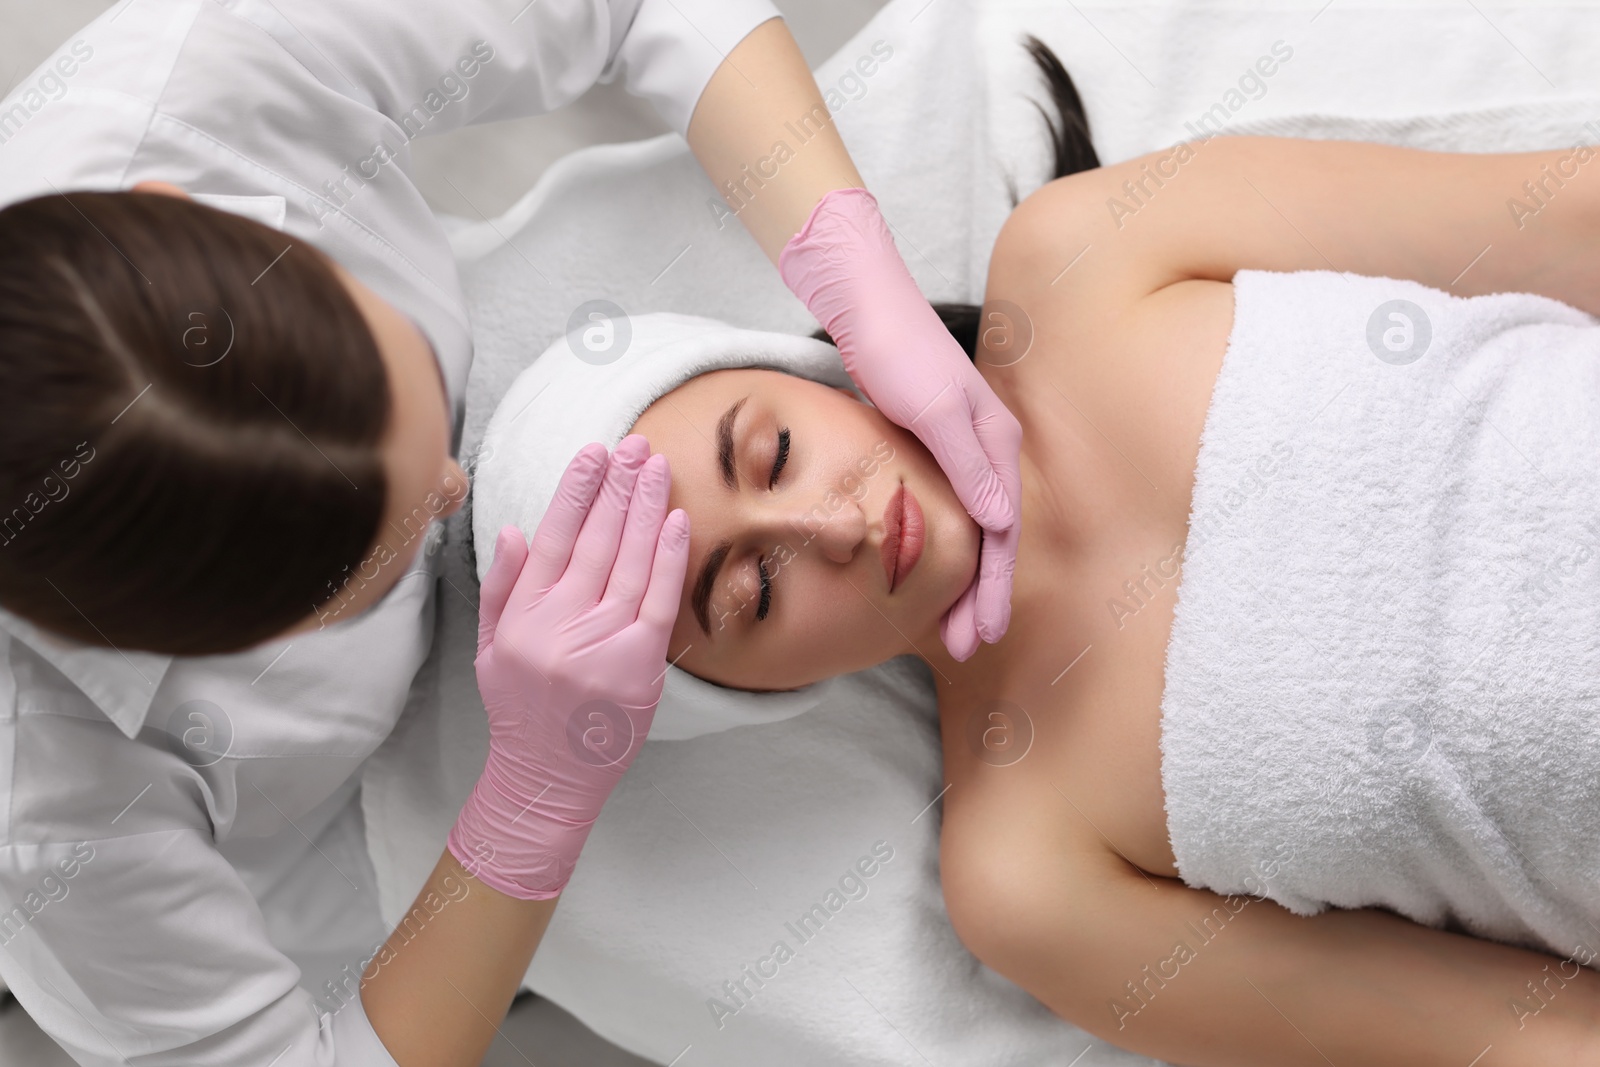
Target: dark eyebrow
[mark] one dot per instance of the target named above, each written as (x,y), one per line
(725,442)
(701,598)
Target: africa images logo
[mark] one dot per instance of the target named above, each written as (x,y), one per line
(50,86)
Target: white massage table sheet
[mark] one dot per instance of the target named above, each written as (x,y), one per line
(709,847)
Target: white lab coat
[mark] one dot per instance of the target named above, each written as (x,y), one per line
(176,834)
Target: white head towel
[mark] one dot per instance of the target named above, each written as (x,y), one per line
(592,385)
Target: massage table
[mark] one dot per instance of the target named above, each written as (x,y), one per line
(712,849)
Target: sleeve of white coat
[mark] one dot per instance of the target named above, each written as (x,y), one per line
(147,948)
(674,46)
(440,64)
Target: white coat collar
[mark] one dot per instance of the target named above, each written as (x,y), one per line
(121,683)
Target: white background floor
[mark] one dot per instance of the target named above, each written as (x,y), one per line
(474,172)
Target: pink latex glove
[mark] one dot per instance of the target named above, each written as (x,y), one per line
(844,265)
(572,646)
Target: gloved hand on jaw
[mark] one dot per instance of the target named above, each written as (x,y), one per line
(844,266)
(572,644)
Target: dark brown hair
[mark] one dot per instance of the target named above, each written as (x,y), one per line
(191,406)
(1071,150)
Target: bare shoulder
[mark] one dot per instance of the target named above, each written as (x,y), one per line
(1117,348)
(1009,848)
(1055,245)
(1098,241)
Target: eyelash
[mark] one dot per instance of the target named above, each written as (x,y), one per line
(766,589)
(783,456)
(764,605)
(765,602)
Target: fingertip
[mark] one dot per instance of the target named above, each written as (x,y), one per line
(632,450)
(675,530)
(958,630)
(961,643)
(656,468)
(992,625)
(584,473)
(506,548)
(591,455)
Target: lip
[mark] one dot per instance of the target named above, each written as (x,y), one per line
(903,536)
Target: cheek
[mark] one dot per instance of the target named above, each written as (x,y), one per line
(820,631)
(828,627)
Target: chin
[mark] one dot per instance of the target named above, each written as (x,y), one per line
(952,550)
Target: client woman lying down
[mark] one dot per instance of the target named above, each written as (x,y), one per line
(1373,565)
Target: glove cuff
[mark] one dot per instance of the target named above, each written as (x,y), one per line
(519,849)
(845,238)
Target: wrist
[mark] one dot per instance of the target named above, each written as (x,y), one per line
(520,848)
(843,253)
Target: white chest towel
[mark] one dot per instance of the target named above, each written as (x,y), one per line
(1383,681)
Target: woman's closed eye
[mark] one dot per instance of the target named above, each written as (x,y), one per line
(765,603)
(782,458)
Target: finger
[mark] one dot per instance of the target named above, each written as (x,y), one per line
(596,551)
(946,428)
(658,610)
(957,629)
(630,575)
(996,564)
(1000,436)
(557,532)
(510,552)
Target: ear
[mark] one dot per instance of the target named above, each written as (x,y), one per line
(162,188)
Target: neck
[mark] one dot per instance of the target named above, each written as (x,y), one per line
(950,673)
(946,669)
(1032,591)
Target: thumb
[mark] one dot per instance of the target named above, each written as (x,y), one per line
(947,429)
(510,551)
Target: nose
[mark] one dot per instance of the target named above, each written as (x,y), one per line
(834,525)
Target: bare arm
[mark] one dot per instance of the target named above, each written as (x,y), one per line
(1185,975)
(438,990)
(758,97)
(1466,223)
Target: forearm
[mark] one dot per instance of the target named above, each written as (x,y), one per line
(1466,223)
(439,988)
(1258,985)
(1378,209)
(766,139)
